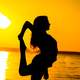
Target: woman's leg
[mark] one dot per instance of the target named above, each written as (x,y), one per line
(39,68)
(24,69)
(46,75)
(37,75)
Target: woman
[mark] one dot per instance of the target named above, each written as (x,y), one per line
(46,44)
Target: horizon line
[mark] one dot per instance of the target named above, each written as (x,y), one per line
(28,50)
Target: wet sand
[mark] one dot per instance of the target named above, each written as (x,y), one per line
(67,67)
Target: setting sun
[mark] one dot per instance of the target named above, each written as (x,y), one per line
(4,21)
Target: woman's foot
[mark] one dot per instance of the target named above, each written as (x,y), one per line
(20,36)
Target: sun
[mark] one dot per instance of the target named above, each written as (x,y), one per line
(4,21)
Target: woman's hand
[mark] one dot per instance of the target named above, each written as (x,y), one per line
(34,49)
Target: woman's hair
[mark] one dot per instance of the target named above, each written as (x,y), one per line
(40,22)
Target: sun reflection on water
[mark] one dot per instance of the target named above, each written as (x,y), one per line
(3,64)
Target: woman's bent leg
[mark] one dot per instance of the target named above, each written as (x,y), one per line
(23,68)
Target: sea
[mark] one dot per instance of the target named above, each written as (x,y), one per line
(67,66)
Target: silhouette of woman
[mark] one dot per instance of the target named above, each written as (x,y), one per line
(46,44)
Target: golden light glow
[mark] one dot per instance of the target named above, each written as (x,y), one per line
(64,17)
(4,21)
(3,64)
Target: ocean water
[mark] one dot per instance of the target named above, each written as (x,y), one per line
(67,67)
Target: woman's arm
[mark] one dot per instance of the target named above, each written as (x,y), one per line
(26,25)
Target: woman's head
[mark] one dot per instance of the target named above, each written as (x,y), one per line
(41,23)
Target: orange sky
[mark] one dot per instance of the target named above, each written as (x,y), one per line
(64,16)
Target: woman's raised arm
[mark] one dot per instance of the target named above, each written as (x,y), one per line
(26,25)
